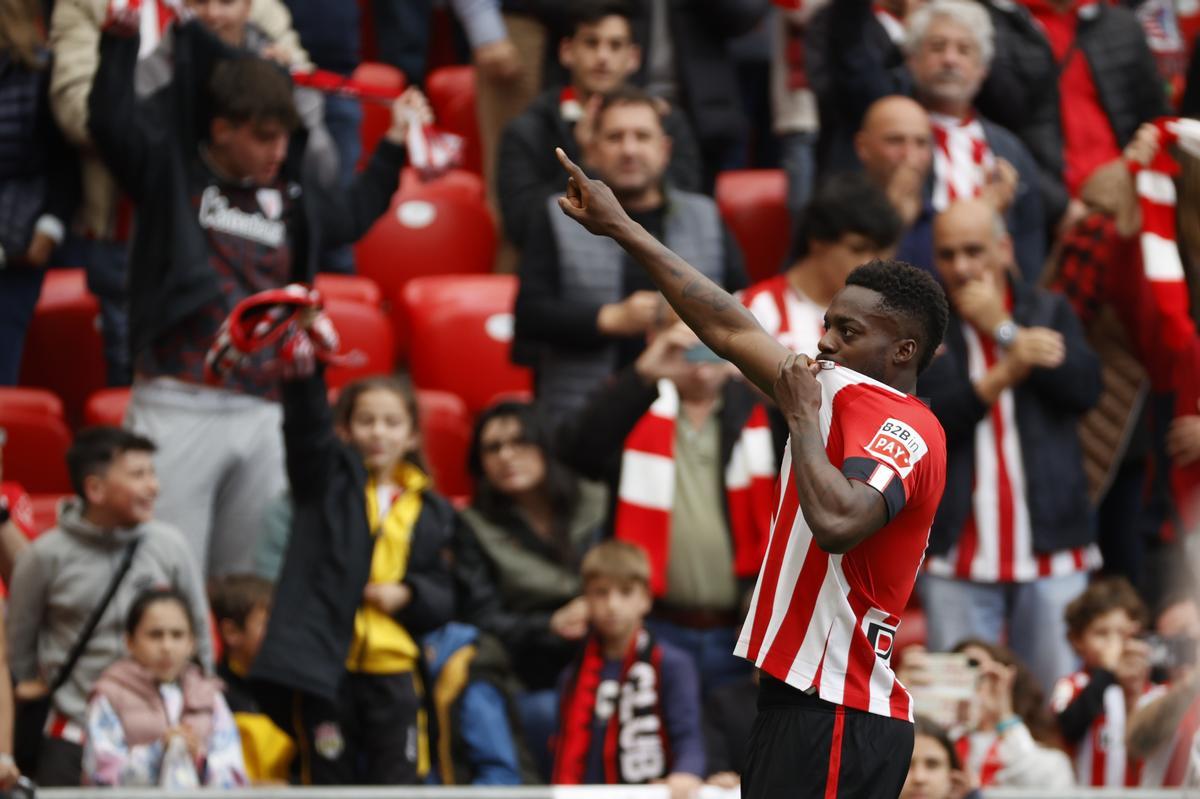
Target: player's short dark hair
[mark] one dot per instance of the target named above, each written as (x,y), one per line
(848,203)
(911,293)
(236,596)
(1104,596)
(95,448)
(629,95)
(254,90)
(590,12)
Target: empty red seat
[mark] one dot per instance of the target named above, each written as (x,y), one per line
(35,449)
(63,349)
(429,230)
(376,116)
(753,203)
(451,92)
(45,510)
(365,329)
(34,400)
(348,287)
(461,327)
(446,437)
(107,407)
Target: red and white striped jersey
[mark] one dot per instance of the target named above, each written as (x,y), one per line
(1099,757)
(996,544)
(827,622)
(962,159)
(791,318)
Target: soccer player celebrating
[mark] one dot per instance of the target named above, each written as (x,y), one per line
(860,481)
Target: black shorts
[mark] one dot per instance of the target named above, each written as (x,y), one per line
(802,746)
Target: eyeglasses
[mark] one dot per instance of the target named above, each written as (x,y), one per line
(519,444)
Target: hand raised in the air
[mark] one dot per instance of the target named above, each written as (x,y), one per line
(797,392)
(590,202)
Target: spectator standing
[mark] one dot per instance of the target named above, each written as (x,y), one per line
(627,688)
(848,223)
(794,110)
(1086,80)
(225,210)
(937,771)
(584,307)
(950,45)
(895,148)
(1013,540)
(366,574)
(154,718)
(105,218)
(688,456)
(65,573)
(599,54)
(1092,705)
(518,552)
(38,177)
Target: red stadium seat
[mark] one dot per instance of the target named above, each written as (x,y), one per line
(461,330)
(446,437)
(451,92)
(457,181)
(377,116)
(107,407)
(366,329)
(356,288)
(45,510)
(753,203)
(35,449)
(431,230)
(63,349)
(33,400)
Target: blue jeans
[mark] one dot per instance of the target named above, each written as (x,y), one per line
(19,290)
(800,163)
(343,118)
(538,711)
(1031,614)
(711,650)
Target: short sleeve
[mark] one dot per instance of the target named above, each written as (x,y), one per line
(881,447)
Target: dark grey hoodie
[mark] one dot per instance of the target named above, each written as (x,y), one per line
(62,576)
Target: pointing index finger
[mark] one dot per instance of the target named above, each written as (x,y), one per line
(569,165)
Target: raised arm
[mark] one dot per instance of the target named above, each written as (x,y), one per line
(720,321)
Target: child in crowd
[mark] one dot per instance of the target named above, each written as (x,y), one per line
(936,771)
(630,706)
(241,605)
(366,573)
(156,703)
(1092,705)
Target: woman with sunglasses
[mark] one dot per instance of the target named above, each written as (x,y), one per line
(518,552)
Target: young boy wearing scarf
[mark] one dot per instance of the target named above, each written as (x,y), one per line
(630,708)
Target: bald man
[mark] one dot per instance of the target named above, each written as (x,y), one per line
(1014,539)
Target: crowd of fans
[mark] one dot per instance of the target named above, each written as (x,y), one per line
(252,586)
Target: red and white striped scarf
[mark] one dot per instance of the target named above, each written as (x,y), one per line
(646,493)
(1161,263)
(962,159)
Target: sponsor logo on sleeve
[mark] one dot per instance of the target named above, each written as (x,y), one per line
(897,444)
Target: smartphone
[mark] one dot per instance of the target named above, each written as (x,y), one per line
(1171,652)
(701,354)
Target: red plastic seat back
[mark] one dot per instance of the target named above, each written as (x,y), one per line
(366,329)
(376,117)
(753,203)
(33,400)
(45,511)
(63,348)
(35,450)
(446,437)
(451,92)
(107,407)
(461,329)
(356,288)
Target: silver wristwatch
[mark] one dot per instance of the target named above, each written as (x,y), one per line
(1005,334)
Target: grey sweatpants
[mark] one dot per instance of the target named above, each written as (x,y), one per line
(219,461)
